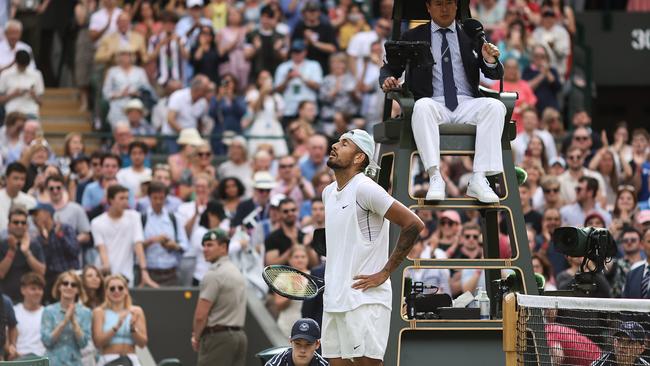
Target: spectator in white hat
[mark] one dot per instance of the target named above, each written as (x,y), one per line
(257,208)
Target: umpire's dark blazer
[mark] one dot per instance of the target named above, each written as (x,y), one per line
(633,280)
(421,78)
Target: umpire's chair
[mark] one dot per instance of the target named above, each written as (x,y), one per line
(396,152)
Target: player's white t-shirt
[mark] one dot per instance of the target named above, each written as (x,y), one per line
(119,238)
(356,234)
(29,331)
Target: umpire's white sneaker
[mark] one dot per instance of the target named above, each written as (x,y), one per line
(479,188)
(436,190)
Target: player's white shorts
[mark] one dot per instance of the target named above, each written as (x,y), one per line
(362,332)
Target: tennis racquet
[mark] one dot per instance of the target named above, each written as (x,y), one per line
(291,283)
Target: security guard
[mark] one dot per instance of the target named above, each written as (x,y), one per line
(217,332)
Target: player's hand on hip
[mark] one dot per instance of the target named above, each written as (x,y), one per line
(389,84)
(364,282)
(490,52)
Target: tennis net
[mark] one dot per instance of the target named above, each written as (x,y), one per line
(545,330)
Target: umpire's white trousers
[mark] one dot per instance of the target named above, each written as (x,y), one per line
(487,114)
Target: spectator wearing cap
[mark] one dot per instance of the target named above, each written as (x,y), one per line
(111,43)
(118,235)
(317,33)
(291,183)
(316,158)
(165,240)
(637,281)
(575,214)
(448,232)
(258,205)
(629,345)
(189,26)
(305,340)
(237,164)
(59,242)
(298,79)
(265,47)
(18,255)
(12,195)
(530,122)
(554,37)
(11,43)
(217,333)
(168,50)
(556,166)
(132,176)
(21,87)
(67,211)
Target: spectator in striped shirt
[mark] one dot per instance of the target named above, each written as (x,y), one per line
(305,340)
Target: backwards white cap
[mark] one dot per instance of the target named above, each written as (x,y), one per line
(365,142)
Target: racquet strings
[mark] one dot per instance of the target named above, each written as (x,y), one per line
(290,282)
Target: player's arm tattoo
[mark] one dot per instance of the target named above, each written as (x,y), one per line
(405,242)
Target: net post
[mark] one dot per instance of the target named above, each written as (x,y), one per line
(510,329)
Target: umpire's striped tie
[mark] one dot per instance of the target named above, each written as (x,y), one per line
(645,291)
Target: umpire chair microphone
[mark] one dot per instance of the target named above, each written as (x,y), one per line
(475,31)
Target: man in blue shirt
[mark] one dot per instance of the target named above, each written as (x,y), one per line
(317,158)
(305,340)
(94,193)
(164,239)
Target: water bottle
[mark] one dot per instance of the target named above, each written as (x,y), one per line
(483,304)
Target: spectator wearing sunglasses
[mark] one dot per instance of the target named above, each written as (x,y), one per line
(280,241)
(18,255)
(576,170)
(118,325)
(65,326)
(576,213)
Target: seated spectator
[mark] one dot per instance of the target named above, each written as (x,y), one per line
(12,194)
(566,279)
(625,208)
(264,110)
(123,82)
(39,189)
(11,43)
(512,82)
(634,288)
(299,134)
(31,130)
(604,162)
(237,164)
(542,266)
(111,43)
(118,234)
(140,128)
(531,217)
(118,325)
(204,56)
(569,179)
(146,19)
(353,24)
(94,194)
(551,220)
(200,164)
(164,238)
(73,147)
(35,158)
(551,187)
(65,325)
(231,45)
(630,243)
(555,38)
(265,47)
(316,158)
(168,51)
(161,173)
(19,254)
(186,27)
(575,214)
(21,87)
(263,183)
(337,92)
(29,314)
(641,165)
(59,242)
(535,154)
(10,133)
(530,127)
(10,332)
(132,176)
(621,147)
(298,79)
(291,183)
(93,284)
(543,79)
(317,34)
(305,341)
(289,311)
(279,243)
(230,192)
(448,233)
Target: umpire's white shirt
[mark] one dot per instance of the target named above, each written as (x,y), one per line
(357,243)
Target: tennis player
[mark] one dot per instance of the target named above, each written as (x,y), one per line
(357,298)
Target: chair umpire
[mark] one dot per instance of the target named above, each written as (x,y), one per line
(217,331)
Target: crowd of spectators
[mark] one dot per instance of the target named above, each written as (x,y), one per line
(244,99)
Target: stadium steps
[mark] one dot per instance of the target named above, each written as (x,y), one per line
(60,115)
